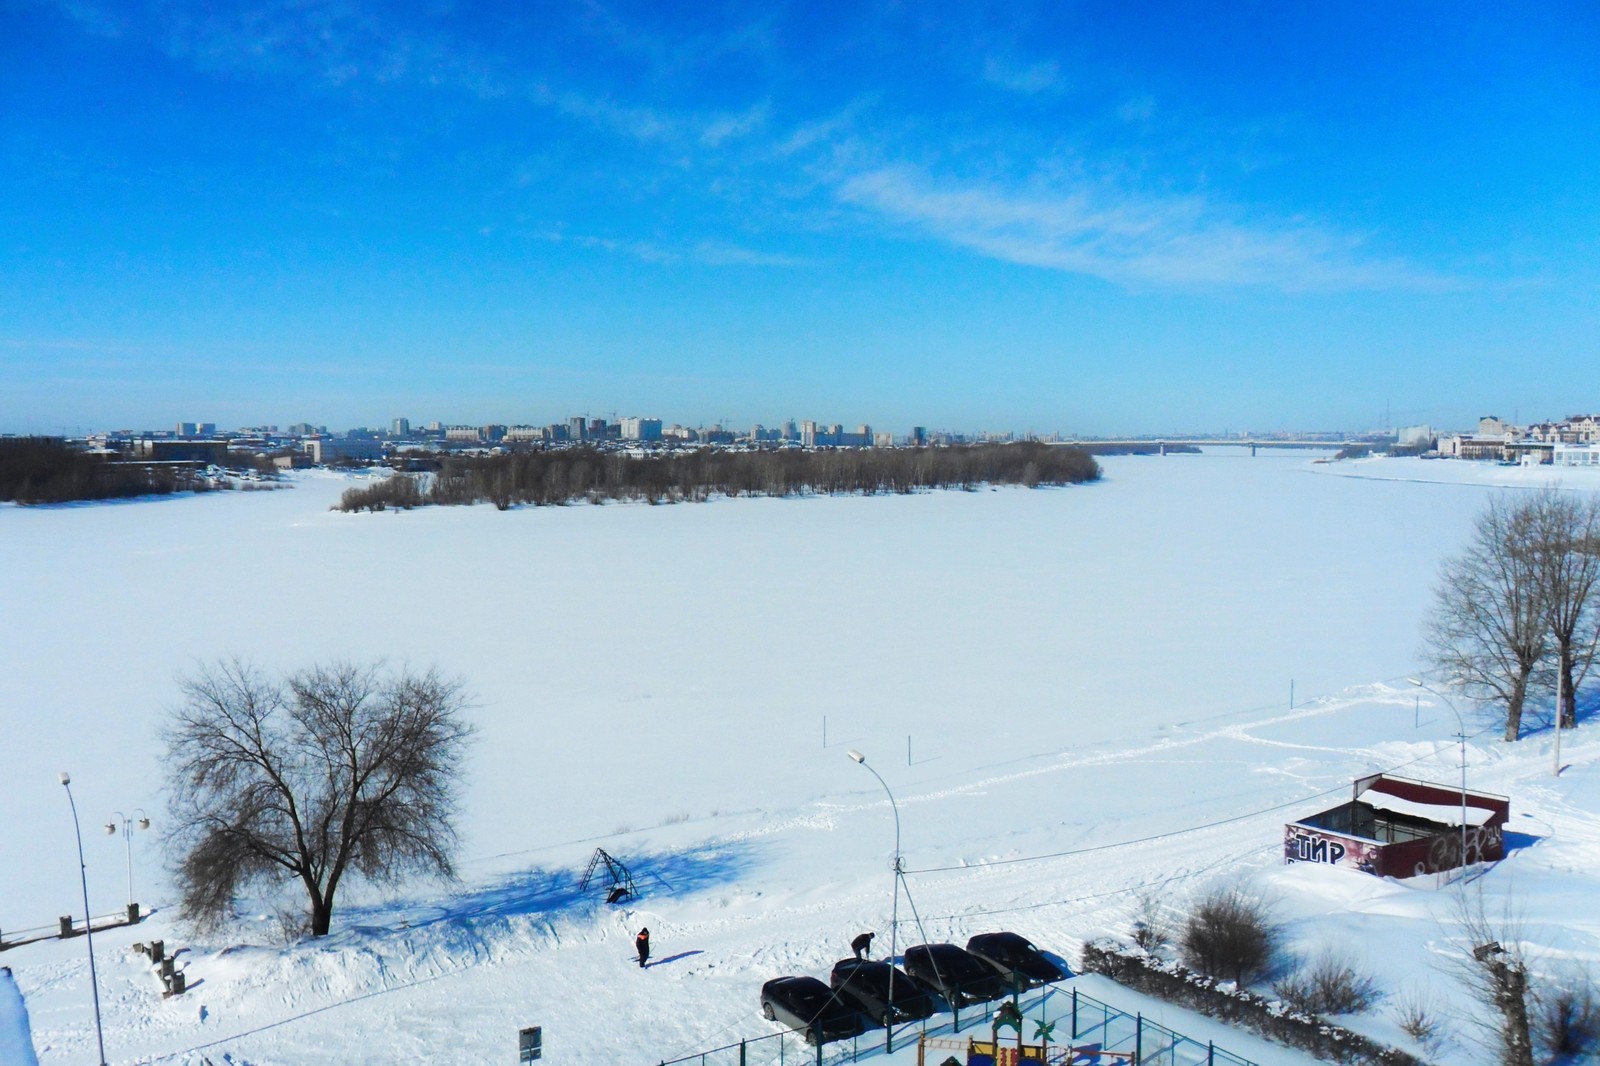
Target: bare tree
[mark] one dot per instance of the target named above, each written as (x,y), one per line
(1566,553)
(1488,628)
(1492,967)
(333,771)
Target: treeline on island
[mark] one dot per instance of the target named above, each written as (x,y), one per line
(49,470)
(556,477)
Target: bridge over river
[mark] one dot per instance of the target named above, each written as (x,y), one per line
(1162,444)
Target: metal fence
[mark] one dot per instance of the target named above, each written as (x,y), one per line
(1086,1032)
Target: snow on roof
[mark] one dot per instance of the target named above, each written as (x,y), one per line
(1444,813)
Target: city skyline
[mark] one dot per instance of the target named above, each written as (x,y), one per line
(1102,219)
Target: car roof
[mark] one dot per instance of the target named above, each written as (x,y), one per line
(797,980)
(1008,938)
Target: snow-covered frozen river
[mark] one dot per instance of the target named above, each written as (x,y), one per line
(1067,668)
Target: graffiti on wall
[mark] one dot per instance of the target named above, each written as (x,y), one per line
(1483,842)
(1307,845)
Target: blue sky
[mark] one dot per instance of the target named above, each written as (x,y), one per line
(1087,217)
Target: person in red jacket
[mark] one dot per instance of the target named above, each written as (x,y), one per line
(642,942)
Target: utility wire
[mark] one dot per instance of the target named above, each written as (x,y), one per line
(980,865)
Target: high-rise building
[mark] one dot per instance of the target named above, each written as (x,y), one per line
(641,429)
(186,429)
(400,427)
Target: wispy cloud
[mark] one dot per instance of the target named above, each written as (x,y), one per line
(718,253)
(706,252)
(1125,238)
(727,127)
(1028,78)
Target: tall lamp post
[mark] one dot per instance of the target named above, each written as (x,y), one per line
(894,913)
(1461,736)
(88,918)
(128,824)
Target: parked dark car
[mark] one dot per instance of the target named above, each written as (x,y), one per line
(806,1004)
(1017,960)
(959,977)
(865,982)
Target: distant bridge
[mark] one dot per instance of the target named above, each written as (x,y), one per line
(1232,442)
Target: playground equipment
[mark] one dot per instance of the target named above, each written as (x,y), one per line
(619,882)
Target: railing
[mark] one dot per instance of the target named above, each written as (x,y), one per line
(68,925)
(1095,1034)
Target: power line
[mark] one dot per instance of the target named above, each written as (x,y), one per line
(1171,833)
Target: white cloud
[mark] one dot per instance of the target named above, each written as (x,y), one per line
(726,127)
(1031,79)
(717,253)
(1124,238)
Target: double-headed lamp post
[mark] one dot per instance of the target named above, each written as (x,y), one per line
(1461,735)
(88,918)
(128,825)
(894,912)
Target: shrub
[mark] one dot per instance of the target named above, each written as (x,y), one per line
(1566,1017)
(1329,984)
(1230,934)
(1152,925)
(397,490)
(1417,1015)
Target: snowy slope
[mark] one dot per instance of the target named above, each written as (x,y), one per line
(1075,669)
(16,1042)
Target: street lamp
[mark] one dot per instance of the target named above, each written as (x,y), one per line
(88,918)
(1461,735)
(894,912)
(128,824)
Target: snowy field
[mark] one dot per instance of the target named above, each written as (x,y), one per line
(1069,669)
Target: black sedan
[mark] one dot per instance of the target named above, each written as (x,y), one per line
(865,982)
(806,1004)
(959,977)
(1015,958)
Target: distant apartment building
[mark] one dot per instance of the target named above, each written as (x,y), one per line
(464,434)
(161,450)
(641,429)
(808,434)
(524,434)
(493,433)
(1415,437)
(919,437)
(883,440)
(325,450)
(400,427)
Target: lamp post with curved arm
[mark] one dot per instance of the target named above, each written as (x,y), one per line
(1461,735)
(127,825)
(88,918)
(894,912)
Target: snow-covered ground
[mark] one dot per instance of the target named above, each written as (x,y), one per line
(1035,674)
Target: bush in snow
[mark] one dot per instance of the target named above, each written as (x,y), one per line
(1328,984)
(1230,934)
(1152,925)
(1566,1015)
(1418,1016)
